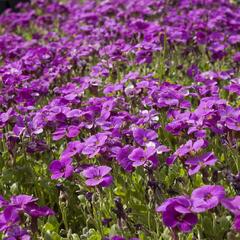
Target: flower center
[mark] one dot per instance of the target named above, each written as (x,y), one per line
(201,164)
(210,117)
(107,108)
(180,217)
(207,196)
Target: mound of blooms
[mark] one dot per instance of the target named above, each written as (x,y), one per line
(14,213)
(120,120)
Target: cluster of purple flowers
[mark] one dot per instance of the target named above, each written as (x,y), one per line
(180,213)
(90,90)
(14,213)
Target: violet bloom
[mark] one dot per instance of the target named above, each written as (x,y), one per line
(98,175)
(187,148)
(93,144)
(35,211)
(232,204)
(112,88)
(106,109)
(236,57)
(140,156)
(143,136)
(233,88)
(5,116)
(176,213)
(21,201)
(37,146)
(73,148)
(236,223)
(8,217)
(207,197)
(123,159)
(70,131)
(118,238)
(16,232)
(198,162)
(61,168)
(233,123)
(3,202)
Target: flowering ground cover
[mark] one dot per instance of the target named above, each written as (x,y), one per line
(120,120)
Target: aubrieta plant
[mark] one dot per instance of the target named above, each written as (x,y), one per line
(120,120)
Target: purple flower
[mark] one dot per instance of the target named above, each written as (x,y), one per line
(59,134)
(15,232)
(61,168)
(123,159)
(35,211)
(192,70)
(73,148)
(236,57)
(140,156)
(232,204)
(118,238)
(70,131)
(98,175)
(207,197)
(8,217)
(187,148)
(236,223)
(176,213)
(234,87)
(37,146)
(5,116)
(21,201)
(143,136)
(93,144)
(233,122)
(106,109)
(3,202)
(110,88)
(233,39)
(198,162)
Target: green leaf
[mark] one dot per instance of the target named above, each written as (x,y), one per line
(207,225)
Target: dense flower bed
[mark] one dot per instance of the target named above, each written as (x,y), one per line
(120,119)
